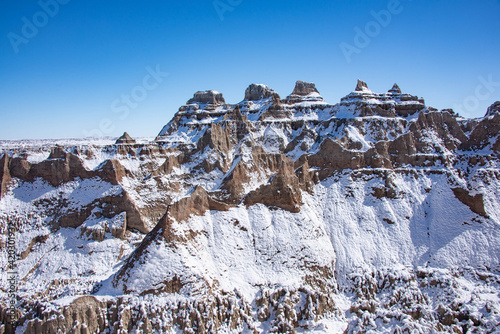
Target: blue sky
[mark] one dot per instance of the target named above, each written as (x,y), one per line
(71,75)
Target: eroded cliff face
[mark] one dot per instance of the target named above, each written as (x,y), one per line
(270,215)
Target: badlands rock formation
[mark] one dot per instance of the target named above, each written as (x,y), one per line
(271,215)
(125,139)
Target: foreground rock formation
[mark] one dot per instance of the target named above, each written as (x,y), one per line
(272,215)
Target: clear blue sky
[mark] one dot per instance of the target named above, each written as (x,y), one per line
(70,77)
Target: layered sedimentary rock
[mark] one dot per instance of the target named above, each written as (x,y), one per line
(377,213)
(125,139)
(207,97)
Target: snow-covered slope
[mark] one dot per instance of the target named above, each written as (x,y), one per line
(376,214)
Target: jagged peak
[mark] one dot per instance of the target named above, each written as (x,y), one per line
(395,89)
(361,86)
(256,92)
(494,108)
(207,97)
(125,139)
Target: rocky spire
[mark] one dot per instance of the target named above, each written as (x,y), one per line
(304,88)
(125,139)
(256,92)
(207,97)
(494,108)
(361,86)
(304,91)
(395,89)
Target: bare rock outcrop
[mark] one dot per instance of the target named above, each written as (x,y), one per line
(493,109)
(363,102)
(443,124)
(125,139)
(386,153)
(485,134)
(304,88)
(60,167)
(361,86)
(304,91)
(332,157)
(283,191)
(256,92)
(196,204)
(84,315)
(5,177)
(171,162)
(108,207)
(207,97)
(112,171)
(395,90)
(475,203)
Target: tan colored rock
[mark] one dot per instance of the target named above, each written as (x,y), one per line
(283,191)
(304,88)
(402,150)
(304,91)
(207,97)
(307,177)
(171,162)
(110,207)
(378,156)
(488,127)
(332,157)
(112,171)
(361,86)
(238,124)
(5,177)
(217,137)
(395,90)
(59,168)
(256,92)
(443,124)
(125,139)
(475,203)
(276,111)
(196,204)
(117,226)
(84,315)
(234,183)
(20,168)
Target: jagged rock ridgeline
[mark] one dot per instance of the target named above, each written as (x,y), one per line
(493,109)
(261,102)
(271,215)
(256,92)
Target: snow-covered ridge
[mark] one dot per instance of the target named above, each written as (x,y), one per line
(377,214)
(17,144)
(263,106)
